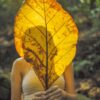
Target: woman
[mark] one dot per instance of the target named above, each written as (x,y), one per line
(26,86)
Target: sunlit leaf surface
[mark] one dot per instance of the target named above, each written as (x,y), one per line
(46,36)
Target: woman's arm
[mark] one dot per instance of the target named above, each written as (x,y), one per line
(16,81)
(69,82)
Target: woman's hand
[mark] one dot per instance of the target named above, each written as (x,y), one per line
(55,92)
(40,96)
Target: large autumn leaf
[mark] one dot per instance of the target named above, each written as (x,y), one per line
(46,36)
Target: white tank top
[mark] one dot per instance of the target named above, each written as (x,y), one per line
(32,84)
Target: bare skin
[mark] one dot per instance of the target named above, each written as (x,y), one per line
(20,69)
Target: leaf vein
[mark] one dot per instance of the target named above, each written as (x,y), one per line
(63,55)
(33,24)
(29,50)
(35,11)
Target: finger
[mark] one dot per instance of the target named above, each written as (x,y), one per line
(40,93)
(40,98)
(58,91)
(51,89)
(55,97)
(37,98)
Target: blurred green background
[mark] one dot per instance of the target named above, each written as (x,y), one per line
(86,14)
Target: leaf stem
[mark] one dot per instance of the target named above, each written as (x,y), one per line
(46,75)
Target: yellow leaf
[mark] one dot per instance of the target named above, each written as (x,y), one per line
(46,36)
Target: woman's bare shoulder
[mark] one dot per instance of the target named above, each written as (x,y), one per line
(18,64)
(17,60)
